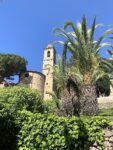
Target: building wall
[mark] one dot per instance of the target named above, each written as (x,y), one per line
(48,63)
(105,102)
(35,80)
(44,81)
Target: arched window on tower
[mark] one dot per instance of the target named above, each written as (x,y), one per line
(48,54)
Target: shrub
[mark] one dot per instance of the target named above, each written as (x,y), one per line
(50,107)
(26,130)
(19,98)
(49,132)
(13,101)
(8,132)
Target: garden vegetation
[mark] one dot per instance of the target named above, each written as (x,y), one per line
(28,123)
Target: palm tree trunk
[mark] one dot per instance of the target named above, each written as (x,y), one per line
(70,100)
(66,103)
(88,100)
(74,96)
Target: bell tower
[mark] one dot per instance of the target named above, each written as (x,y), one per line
(48,63)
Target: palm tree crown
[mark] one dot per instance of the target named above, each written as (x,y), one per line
(88,65)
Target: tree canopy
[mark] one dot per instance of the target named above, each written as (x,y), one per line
(86,66)
(11,64)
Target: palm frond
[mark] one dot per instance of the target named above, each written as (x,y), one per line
(98,74)
(61,32)
(75,29)
(93,29)
(64,56)
(75,73)
(84,28)
(85,53)
(59,75)
(55,98)
(67,24)
(79,26)
(101,46)
(110,31)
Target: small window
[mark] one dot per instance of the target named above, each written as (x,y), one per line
(46,83)
(26,75)
(48,54)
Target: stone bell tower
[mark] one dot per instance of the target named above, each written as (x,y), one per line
(48,63)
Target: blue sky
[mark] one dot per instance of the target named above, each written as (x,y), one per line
(26,26)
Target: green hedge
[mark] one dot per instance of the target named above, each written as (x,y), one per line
(49,132)
(21,128)
(13,101)
(17,98)
(8,132)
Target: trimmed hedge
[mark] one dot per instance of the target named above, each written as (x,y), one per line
(49,132)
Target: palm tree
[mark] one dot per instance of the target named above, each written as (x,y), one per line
(67,91)
(87,66)
(60,76)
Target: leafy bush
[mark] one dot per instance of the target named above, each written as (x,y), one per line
(26,130)
(8,132)
(50,107)
(19,98)
(49,132)
(10,125)
(13,101)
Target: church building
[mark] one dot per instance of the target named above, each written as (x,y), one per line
(44,81)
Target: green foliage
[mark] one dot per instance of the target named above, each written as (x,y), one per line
(28,131)
(14,101)
(10,125)
(17,98)
(8,132)
(106,112)
(86,64)
(60,76)
(50,107)
(11,64)
(92,127)
(49,132)
(86,67)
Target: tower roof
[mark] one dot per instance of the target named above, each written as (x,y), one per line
(49,46)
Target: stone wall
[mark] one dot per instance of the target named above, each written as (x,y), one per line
(108,144)
(48,63)
(34,80)
(105,102)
